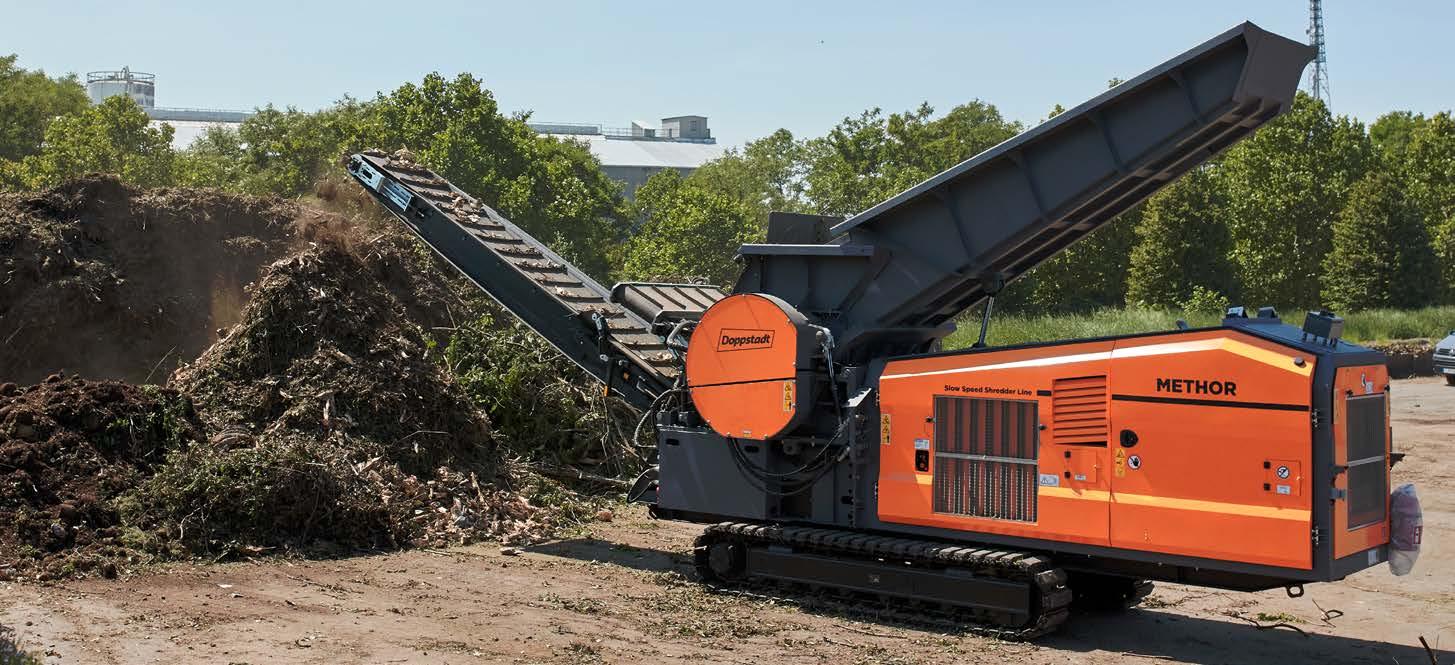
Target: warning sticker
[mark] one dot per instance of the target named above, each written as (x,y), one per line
(884,429)
(1121,463)
(787,396)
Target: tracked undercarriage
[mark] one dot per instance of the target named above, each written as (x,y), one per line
(1005,593)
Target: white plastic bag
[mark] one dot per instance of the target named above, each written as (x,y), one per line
(1406,527)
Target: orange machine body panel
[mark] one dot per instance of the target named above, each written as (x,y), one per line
(1353,386)
(746,366)
(1191,443)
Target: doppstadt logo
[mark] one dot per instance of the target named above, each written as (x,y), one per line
(742,340)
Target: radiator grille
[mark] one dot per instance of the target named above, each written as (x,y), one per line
(1368,473)
(985,458)
(1078,411)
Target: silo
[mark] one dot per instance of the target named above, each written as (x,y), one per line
(141,87)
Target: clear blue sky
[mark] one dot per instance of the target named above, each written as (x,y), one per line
(750,66)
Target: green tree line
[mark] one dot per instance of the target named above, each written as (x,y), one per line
(555,189)
(1315,209)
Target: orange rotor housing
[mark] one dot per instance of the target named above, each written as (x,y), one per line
(749,366)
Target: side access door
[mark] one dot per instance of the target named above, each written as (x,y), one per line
(1211,448)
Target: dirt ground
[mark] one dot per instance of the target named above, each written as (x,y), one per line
(620,593)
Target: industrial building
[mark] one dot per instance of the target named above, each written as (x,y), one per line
(629,155)
(188,123)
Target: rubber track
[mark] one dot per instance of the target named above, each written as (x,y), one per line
(1048,612)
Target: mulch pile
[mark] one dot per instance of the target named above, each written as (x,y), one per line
(108,281)
(324,350)
(1408,357)
(314,418)
(326,380)
(69,449)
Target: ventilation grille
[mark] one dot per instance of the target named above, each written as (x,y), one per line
(1078,411)
(985,458)
(1368,467)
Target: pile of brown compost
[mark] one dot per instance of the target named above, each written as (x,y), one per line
(69,450)
(108,281)
(309,413)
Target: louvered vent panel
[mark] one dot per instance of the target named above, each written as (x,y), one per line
(1368,473)
(1078,411)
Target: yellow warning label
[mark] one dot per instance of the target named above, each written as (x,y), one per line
(884,429)
(787,396)
(1121,463)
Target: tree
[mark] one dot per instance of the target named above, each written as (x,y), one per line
(766,173)
(1429,169)
(1444,246)
(1284,187)
(1381,253)
(1182,244)
(554,189)
(689,232)
(868,159)
(114,136)
(29,101)
(1390,134)
(1426,172)
(1089,274)
(215,159)
(285,151)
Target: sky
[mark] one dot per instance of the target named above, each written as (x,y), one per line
(750,66)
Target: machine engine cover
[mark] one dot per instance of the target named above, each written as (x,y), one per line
(749,366)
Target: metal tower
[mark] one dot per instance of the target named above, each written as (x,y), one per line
(1319,76)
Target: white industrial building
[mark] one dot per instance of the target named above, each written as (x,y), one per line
(141,87)
(629,155)
(632,154)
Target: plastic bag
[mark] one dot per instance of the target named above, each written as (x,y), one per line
(1406,529)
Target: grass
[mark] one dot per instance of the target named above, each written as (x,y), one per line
(1377,325)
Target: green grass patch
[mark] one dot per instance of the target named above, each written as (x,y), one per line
(1375,325)
(1382,325)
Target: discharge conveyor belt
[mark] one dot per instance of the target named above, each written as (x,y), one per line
(556,299)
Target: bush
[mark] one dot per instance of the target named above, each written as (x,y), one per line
(542,407)
(1376,325)
(1206,301)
